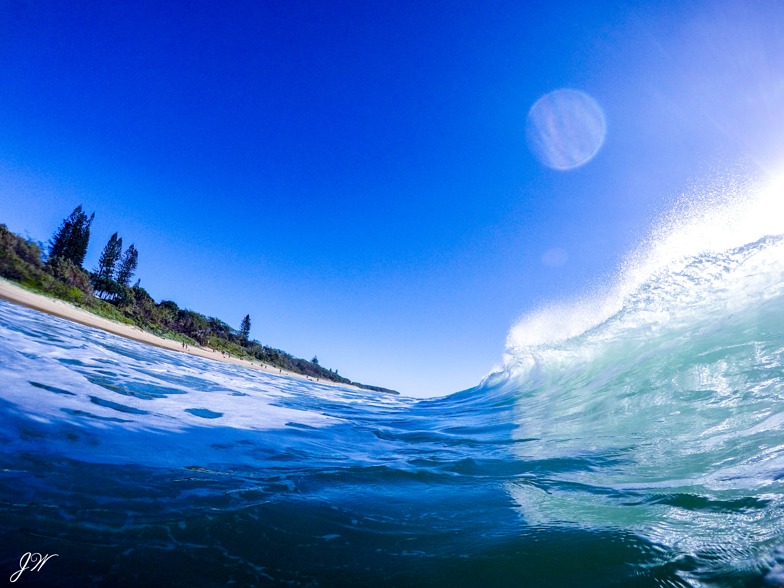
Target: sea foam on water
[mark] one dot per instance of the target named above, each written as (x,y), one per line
(708,221)
(664,391)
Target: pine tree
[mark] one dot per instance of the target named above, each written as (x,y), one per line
(109,258)
(245,327)
(81,240)
(71,239)
(61,238)
(103,281)
(130,260)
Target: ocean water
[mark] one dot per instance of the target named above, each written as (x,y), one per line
(633,437)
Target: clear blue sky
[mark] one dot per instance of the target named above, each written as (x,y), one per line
(356,175)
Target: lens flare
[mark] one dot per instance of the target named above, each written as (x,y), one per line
(566,129)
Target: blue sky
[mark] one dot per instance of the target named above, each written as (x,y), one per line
(356,175)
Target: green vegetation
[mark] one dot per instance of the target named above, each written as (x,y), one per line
(245,327)
(128,264)
(110,283)
(105,292)
(70,241)
(103,276)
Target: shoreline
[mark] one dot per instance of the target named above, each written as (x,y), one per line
(16,294)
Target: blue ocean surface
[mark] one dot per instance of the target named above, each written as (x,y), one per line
(632,438)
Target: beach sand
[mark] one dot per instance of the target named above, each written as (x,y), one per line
(18,295)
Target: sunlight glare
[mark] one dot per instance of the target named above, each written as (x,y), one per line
(565,129)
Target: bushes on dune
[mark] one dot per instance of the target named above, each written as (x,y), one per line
(20,260)
(66,271)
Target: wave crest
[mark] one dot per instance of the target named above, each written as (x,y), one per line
(693,253)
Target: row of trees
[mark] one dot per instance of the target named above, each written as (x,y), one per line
(106,291)
(115,268)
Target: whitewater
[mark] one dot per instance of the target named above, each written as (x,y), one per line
(633,437)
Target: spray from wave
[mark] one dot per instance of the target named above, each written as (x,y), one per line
(655,406)
(706,221)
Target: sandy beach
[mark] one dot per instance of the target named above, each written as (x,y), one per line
(18,295)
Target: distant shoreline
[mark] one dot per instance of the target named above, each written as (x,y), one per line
(18,295)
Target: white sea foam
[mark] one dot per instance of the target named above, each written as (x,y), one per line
(706,221)
(136,387)
(665,390)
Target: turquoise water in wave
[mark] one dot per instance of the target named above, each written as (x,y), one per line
(634,437)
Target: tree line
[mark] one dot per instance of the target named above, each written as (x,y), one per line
(106,291)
